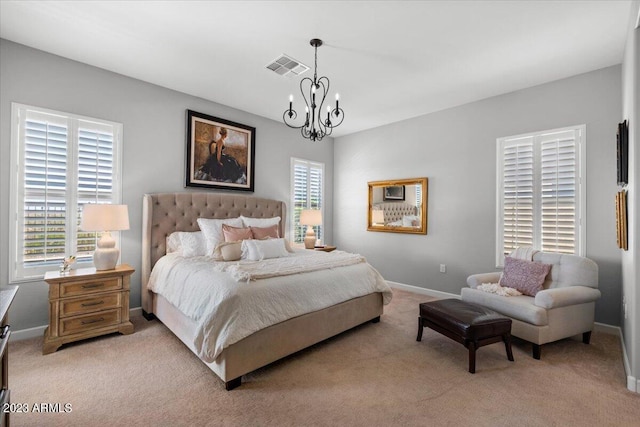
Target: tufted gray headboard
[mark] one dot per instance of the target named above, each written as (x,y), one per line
(164,213)
(394,211)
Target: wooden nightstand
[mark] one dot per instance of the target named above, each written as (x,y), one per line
(87,303)
(326,248)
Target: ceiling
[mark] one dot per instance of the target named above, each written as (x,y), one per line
(389,60)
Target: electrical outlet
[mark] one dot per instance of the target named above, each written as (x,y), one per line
(624,307)
(443,268)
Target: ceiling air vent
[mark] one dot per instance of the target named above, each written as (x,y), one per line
(287,66)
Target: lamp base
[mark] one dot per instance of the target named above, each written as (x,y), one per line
(106,254)
(310,242)
(310,238)
(106,259)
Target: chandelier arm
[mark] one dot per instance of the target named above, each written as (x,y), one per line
(314,127)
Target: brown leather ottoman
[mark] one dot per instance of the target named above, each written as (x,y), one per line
(471,325)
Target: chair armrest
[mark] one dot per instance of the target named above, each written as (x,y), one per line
(476,280)
(562,297)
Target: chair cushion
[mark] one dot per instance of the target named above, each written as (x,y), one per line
(521,307)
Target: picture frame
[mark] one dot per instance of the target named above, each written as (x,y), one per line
(393,192)
(220,154)
(621,220)
(622,151)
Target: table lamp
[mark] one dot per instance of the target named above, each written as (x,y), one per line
(310,217)
(105,218)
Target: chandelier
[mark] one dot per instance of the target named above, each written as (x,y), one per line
(315,127)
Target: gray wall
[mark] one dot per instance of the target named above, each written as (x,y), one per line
(631,258)
(154,147)
(456,150)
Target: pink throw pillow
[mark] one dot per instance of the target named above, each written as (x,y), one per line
(235,234)
(265,232)
(525,276)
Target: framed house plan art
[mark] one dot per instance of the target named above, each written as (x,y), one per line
(220,153)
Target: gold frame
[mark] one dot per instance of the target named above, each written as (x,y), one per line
(621,220)
(424,182)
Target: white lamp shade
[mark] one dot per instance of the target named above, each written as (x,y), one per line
(311,217)
(97,217)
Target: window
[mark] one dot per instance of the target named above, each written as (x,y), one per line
(307,187)
(62,162)
(541,191)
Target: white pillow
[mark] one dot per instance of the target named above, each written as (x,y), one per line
(187,243)
(410,221)
(260,222)
(212,230)
(257,250)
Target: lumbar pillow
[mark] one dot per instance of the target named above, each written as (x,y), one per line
(228,251)
(257,250)
(212,230)
(265,232)
(525,276)
(235,234)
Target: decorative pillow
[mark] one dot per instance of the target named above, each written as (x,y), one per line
(173,242)
(264,232)
(525,276)
(228,251)
(410,221)
(260,222)
(212,230)
(257,250)
(188,243)
(235,234)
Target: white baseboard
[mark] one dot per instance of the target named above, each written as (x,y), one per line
(25,334)
(423,291)
(633,384)
(38,331)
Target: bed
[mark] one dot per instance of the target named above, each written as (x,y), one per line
(165,213)
(398,214)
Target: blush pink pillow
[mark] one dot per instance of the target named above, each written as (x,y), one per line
(235,234)
(525,276)
(265,232)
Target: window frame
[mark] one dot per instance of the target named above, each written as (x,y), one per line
(320,231)
(19,114)
(580,192)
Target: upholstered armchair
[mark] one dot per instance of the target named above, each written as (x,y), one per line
(563,308)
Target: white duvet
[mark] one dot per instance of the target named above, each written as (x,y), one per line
(228,305)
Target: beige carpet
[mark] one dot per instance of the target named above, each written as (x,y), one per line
(374,375)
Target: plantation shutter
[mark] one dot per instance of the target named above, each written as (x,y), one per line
(517,195)
(559,178)
(44,214)
(64,162)
(95,176)
(307,193)
(540,192)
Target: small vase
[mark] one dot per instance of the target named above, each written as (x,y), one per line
(65,269)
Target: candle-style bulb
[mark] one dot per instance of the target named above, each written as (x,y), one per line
(337,96)
(291,98)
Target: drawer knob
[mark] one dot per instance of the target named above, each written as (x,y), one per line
(88,322)
(93,286)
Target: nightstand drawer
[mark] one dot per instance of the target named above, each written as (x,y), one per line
(76,306)
(93,321)
(85,287)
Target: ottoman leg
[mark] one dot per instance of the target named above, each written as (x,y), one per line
(420,328)
(507,345)
(472,357)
